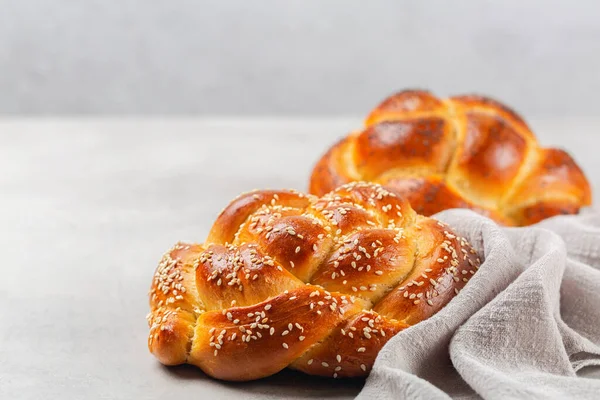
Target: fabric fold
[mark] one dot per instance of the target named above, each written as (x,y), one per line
(524,325)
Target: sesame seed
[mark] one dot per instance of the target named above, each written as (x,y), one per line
(285,332)
(325,364)
(379,273)
(285,345)
(310,361)
(363,367)
(300,338)
(338,358)
(335,375)
(268,307)
(430,302)
(361,350)
(297,249)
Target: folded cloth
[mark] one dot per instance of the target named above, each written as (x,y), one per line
(521,328)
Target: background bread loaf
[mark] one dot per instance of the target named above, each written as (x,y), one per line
(461,152)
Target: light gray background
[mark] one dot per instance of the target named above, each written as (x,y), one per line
(294,57)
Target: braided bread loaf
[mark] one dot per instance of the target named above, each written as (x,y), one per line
(462,152)
(291,280)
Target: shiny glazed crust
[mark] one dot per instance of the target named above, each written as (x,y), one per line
(461,152)
(315,284)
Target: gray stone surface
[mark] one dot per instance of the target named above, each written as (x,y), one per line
(295,56)
(87,208)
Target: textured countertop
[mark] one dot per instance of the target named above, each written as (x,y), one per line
(88,206)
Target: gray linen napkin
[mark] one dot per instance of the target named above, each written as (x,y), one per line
(522,327)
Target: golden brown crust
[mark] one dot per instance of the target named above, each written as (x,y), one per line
(262,339)
(352,348)
(465,151)
(489,160)
(430,195)
(332,169)
(243,276)
(368,263)
(174,304)
(490,106)
(554,186)
(317,284)
(423,144)
(412,102)
(444,265)
(230,219)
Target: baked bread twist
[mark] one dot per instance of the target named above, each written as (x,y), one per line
(291,280)
(461,152)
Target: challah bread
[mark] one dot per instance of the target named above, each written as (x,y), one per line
(461,152)
(315,284)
